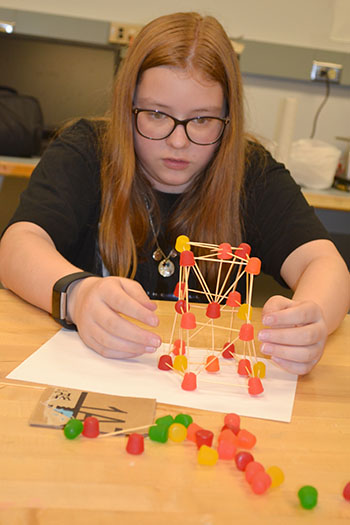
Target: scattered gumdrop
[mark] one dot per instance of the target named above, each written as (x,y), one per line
(246,439)
(91,427)
(346,492)
(204,437)
(242,459)
(184,419)
(207,456)
(191,431)
(260,482)
(308,497)
(276,475)
(135,444)
(158,433)
(226,449)
(253,468)
(177,432)
(73,428)
(165,420)
(233,421)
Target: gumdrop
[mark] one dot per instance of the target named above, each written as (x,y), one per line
(191,432)
(276,475)
(253,468)
(204,437)
(187,258)
(180,363)
(226,449)
(244,367)
(188,321)
(207,456)
(165,362)
(246,439)
(158,433)
(181,306)
(179,347)
(259,369)
(228,350)
(91,427)
(135,444)
(212,364)
(213,310)
(165,420)
(242,313)
(178,288)
(182,243)
(73,428)
(177,432)
(242,459)
(260,482)
(184,419)
(308,497)
(253,266)
(233,421)
(234,299)
(346,491)
(189,381)
(246,332)
(225,251)
(243,250)
(255,386)
(227,435)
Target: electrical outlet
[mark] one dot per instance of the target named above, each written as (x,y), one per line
(320,70)
(124,34)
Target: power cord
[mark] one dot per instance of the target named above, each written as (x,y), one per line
(325,74)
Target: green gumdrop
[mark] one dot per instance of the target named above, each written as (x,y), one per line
(73,428)
(158,433)
(184,419)
(308,497)
(165,421)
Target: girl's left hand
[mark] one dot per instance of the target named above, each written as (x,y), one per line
(296,335)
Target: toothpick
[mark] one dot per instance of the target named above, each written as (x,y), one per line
(123,431)
(23,386)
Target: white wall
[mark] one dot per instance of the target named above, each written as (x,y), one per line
(306,23)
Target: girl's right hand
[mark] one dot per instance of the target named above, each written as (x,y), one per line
(98,305)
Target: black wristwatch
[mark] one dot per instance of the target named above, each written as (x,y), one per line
(59,297)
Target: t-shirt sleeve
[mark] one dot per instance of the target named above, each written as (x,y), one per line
(277,217)
(62,196)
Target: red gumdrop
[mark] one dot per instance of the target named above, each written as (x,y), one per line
(188,320)
(212,364)
(253,468)
(346,491)
(177,289)
(233,421)
(243,250)
(189,381)
(234,299)
(164,361)
(213,310)
(225,251)
(135,444)
(187,258)
(204,437)
(242,459)
(244,367)
(228,351)
(227,434)
(179,347)
(91,427)
(246,439)
(260,482)
(253,266)
(226,449)
(255,386)
(181,306)
(246,332)
(191,431)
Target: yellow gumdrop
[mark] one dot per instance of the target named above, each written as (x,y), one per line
(259,369)
(180,363)
(276,475)
(243,312)
(182,243)
(177,432)
(207,455)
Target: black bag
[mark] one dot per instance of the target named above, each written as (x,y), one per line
(21,124)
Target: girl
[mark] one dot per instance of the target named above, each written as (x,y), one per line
(109,197)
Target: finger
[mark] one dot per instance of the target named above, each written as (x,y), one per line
(275,304)
(297,354)
(300,335)
(293,367)
(297,314)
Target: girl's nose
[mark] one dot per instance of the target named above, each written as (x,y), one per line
(178,138)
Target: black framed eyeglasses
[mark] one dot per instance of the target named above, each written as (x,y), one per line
(157,125)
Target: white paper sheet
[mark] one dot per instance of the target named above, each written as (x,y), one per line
(66,361)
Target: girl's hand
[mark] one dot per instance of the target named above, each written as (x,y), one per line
(98,305)
(296,335)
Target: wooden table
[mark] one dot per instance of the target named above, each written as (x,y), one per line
(330,199)
(17,166)
(47,479)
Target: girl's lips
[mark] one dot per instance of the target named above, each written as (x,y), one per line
(175,164)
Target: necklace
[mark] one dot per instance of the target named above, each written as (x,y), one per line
(166,267)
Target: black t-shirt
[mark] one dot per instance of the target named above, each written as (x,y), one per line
(63,198)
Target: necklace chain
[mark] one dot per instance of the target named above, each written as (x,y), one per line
(166,267)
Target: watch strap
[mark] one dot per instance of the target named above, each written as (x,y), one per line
(59,297)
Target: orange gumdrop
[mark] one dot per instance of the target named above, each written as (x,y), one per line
(234,299)
(187,258)
(212,364)
(244,367)
(191,432)
(188,320)
(246,439)
(178,289)
(225,251)
(255,386)
(213,310)
(228,435)
(253,468)
(253,266)
(189,381)
(179,347)
(246,332)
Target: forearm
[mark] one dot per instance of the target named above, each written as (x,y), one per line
(30,264)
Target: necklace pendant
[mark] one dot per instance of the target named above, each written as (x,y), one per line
(157,255)
(166,268)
